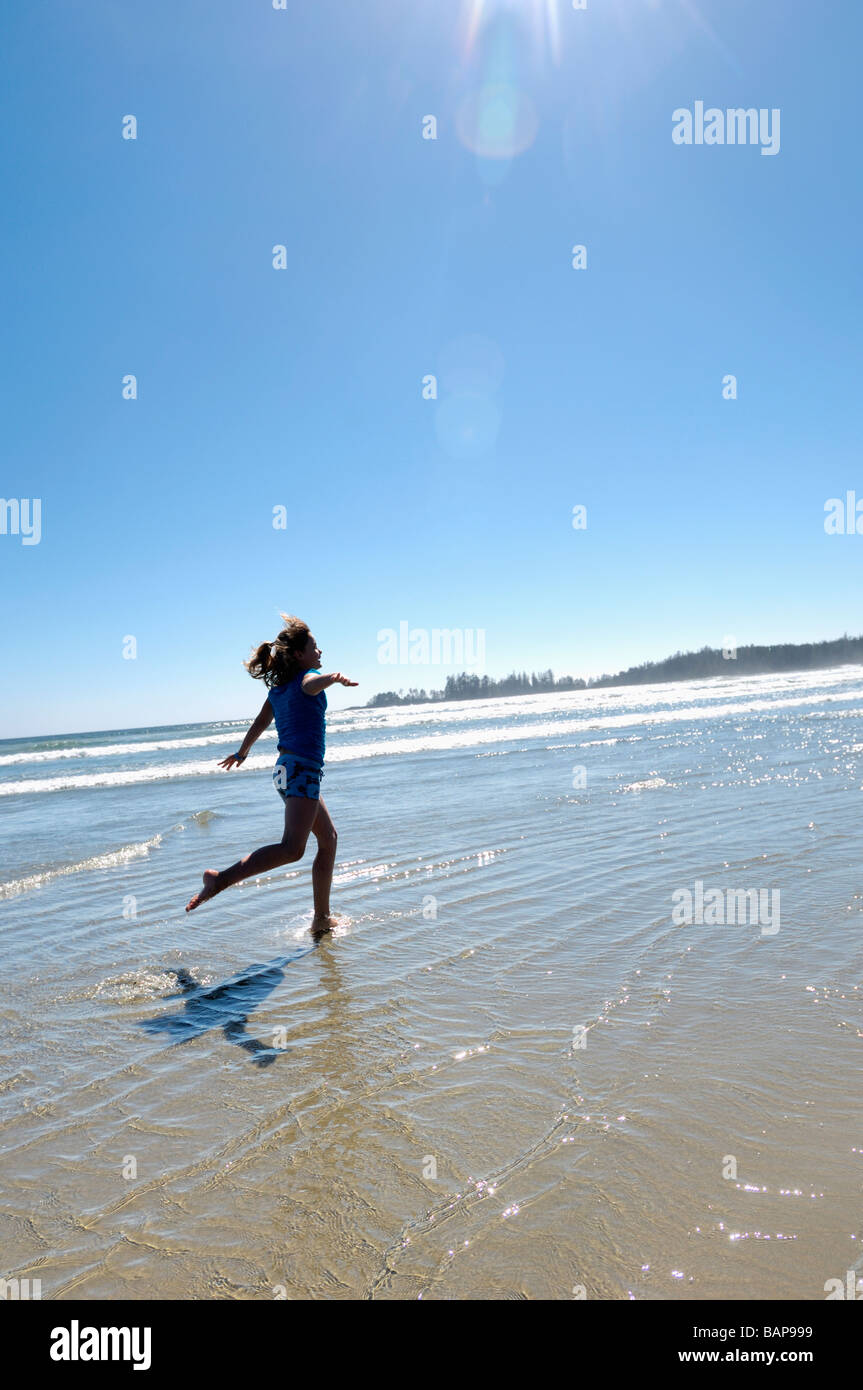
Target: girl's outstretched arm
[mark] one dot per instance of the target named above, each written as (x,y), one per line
(264,719)
(313,685)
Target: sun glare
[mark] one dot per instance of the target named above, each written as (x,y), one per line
(542,15)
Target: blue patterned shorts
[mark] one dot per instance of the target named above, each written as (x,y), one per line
(297,777)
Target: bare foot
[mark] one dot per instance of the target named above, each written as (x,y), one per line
(209,890)
(323,922)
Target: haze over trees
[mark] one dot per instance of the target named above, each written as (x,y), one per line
(682,666)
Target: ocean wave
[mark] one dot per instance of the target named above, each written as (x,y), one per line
(594,703)
(109,860)
(119,750)
(608,742)
(96,861)
(668,692)
(461,739)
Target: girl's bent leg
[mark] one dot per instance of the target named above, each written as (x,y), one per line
(300,812)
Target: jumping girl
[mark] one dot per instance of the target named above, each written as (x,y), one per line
(289,667)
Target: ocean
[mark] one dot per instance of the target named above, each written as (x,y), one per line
(590,1024)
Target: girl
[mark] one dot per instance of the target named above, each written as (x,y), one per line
(289,667)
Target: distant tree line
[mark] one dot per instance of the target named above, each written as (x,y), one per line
(682,666)
(468,687)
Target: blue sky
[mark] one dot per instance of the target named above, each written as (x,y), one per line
(303,387)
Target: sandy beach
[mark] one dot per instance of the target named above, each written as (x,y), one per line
(509,1074)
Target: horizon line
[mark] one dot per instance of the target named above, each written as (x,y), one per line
(609,683)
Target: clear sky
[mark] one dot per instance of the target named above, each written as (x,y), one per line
(406,257)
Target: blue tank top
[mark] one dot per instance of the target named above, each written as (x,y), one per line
(300,718)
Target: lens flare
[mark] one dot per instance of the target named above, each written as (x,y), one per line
(496,117)
(497,121)
(542,15)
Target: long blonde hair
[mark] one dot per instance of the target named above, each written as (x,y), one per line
(274,663)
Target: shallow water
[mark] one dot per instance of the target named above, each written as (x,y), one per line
(509,1073)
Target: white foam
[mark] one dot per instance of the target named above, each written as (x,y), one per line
(119,750)
(590,716)
(98,861)
(511,708)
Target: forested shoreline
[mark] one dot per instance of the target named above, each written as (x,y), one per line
(700,665)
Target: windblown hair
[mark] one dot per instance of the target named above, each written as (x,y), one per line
(274,663)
